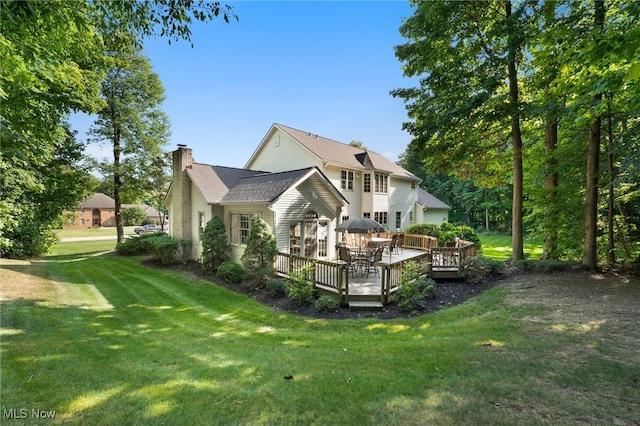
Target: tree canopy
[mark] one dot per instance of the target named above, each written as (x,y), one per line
(55,56)
(560,71)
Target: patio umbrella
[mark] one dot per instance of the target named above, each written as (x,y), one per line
(360,225)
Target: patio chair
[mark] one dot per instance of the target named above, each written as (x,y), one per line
(344,255)
(396,243)
(372,260)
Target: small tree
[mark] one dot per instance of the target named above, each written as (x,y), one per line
(215,247)
(134,216)
(260,252)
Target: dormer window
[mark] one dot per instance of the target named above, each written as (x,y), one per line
(346,180)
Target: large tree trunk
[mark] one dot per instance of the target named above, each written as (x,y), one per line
(516,141)
(550,144)
(590,256)
(610,199)
(117,184)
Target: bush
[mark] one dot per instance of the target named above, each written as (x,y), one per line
(135,246)
(300,286)
(414,288)
(230,272)
(446,232)
(163,248)
(476,269)
(276,288)
(260,252)
(215,248)
(326,304)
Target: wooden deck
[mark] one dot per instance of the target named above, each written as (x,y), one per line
(334,278)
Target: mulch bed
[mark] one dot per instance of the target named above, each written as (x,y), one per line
(448,293)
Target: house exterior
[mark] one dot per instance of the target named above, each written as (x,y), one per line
(374,186)
(430,209)
(99,211)
(301,205)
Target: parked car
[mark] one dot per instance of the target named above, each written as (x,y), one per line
(147,228)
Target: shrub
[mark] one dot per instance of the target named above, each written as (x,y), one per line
(163,248)
(326,304)
(276,287)
(476,269)
(300,286)
(430,229)
(414,288)
(215,248)
(260,252)
(230,272)
(135,246)
(446,232)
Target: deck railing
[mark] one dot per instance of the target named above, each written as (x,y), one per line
(392,274)
(450,257)
(329,276)
(419,242)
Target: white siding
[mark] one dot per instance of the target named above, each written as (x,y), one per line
(436,216)
(198,204)
(282,153)
(237,250)
(294,203)
(401,199)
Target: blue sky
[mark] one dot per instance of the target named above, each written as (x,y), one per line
(325,67)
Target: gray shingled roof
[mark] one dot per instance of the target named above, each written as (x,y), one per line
(342,154)
(220,184)
(427,200)
(263,187)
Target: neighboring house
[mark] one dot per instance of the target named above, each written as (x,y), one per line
(99,210)
(430,209)
(301,206)
(374,186)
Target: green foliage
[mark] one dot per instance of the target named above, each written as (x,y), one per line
(413,288)
(476,269)
(230,272)
(276,287)
(167,250)
(134,216)
(301,286)
(446,232)
(260,252)
(134,246)
(215,247)
(55,55)
(326,304)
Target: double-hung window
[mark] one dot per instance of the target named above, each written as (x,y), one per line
(346,180)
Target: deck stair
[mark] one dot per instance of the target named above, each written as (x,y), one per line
(365,305)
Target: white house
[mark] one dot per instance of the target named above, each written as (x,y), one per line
(301,206)
(303,186)
(374,186)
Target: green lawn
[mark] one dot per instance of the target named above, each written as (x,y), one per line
(100,339)
(93,232)
(499,247)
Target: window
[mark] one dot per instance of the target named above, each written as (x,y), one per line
(240,226)
(201,225)
(411,217)
(345,218)
(346,180)
(382,183)
(398,220)
(413,185)
(366,186)
(381,218)
(366,215)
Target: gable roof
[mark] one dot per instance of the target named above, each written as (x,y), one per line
(340,154)
(427,200)
(227,185)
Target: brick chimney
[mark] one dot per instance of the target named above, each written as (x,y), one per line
(180,209)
